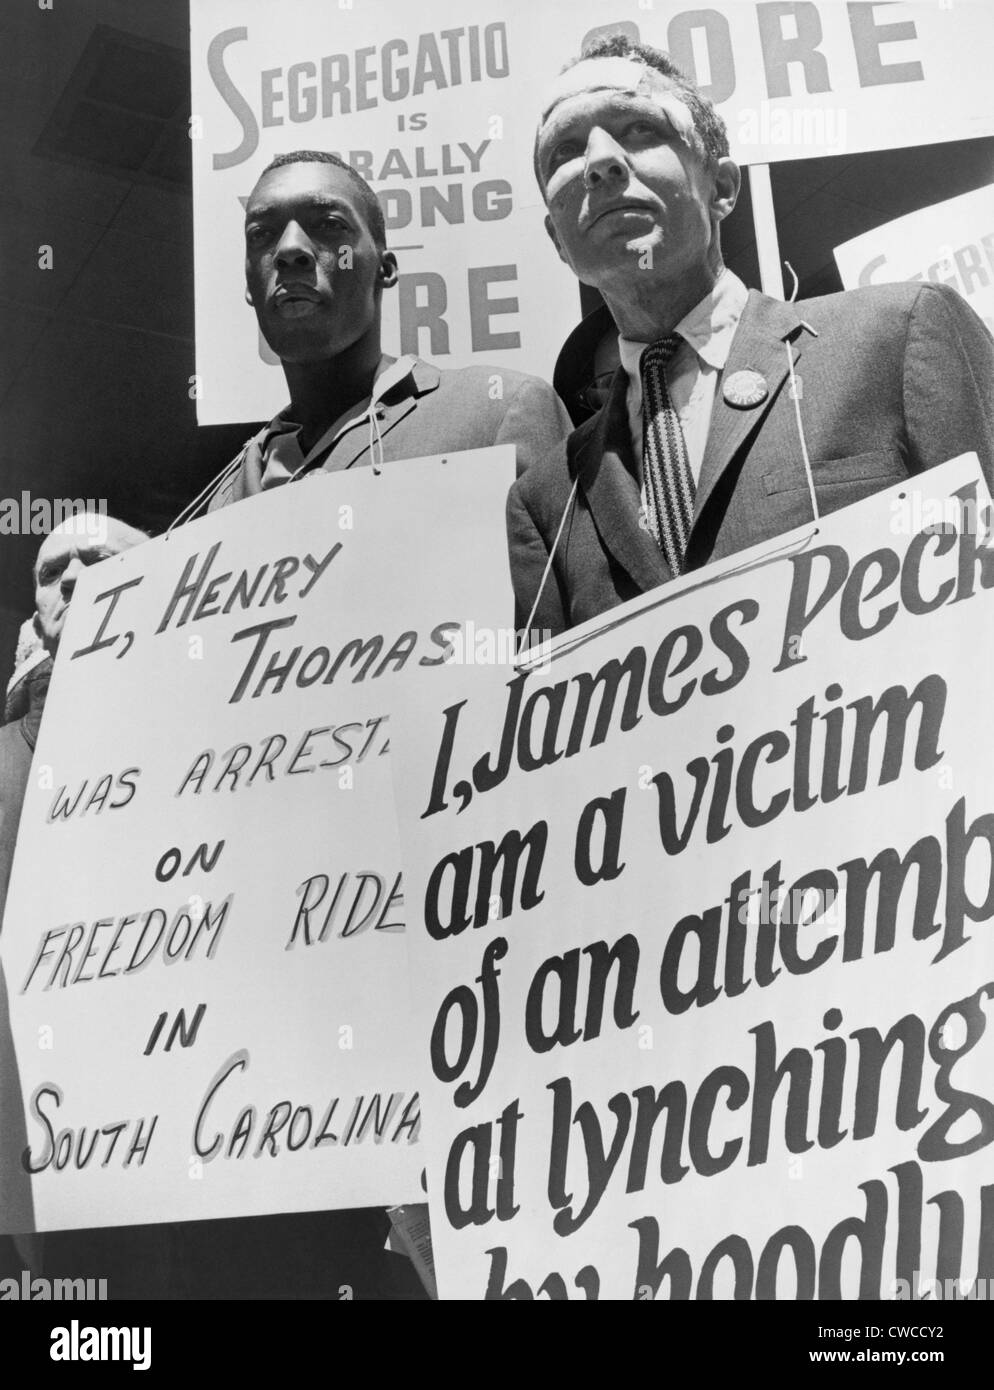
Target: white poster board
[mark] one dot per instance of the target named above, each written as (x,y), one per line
(705,928)
(950,243)
(203,940)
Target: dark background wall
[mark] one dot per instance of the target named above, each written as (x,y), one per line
(98,351)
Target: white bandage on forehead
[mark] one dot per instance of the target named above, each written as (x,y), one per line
(625,75)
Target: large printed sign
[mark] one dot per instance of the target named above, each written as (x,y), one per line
(702,918)
(436,105)
(951,243)
(203,942)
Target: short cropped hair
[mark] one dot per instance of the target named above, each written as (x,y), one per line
(709,128)
(368,199)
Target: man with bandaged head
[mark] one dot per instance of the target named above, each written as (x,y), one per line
(699,450)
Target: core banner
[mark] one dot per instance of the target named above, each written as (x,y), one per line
(436,105)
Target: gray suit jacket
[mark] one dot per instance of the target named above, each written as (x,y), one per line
(893,380)
(433,412)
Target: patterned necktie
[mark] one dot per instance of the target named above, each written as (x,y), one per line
(669,483)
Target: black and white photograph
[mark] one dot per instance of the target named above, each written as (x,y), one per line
(497,553)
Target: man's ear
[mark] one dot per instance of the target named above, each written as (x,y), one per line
(248,296)
(727,182)
(388,270)
(555,240)
(36,624)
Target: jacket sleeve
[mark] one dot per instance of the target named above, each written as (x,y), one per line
(948,382)
(535,421)
(529,556)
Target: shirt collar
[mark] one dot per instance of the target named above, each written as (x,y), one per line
(280,453)
(709,327)
(389,374)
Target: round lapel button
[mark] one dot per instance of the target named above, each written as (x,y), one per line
(744,390)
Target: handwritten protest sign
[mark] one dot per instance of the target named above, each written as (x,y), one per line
(436,105)
(203,939)
(704,928)
(950,243)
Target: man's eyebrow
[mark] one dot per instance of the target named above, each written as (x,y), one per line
(316,200)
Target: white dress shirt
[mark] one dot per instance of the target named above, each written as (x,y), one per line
(694,374)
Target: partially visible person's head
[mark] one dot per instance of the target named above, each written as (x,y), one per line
(78,542)
(633,164)
(316,262)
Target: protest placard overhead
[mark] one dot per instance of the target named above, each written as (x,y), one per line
(951,243)
(437,107)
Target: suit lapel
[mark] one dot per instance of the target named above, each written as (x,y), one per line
(606,465)
(391,415)
(608,473)
(758,346)
(247,470)
(395,405)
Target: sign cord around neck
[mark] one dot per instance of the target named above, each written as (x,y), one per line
(795,394)
(375,440)
(548,564)
(207,494)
